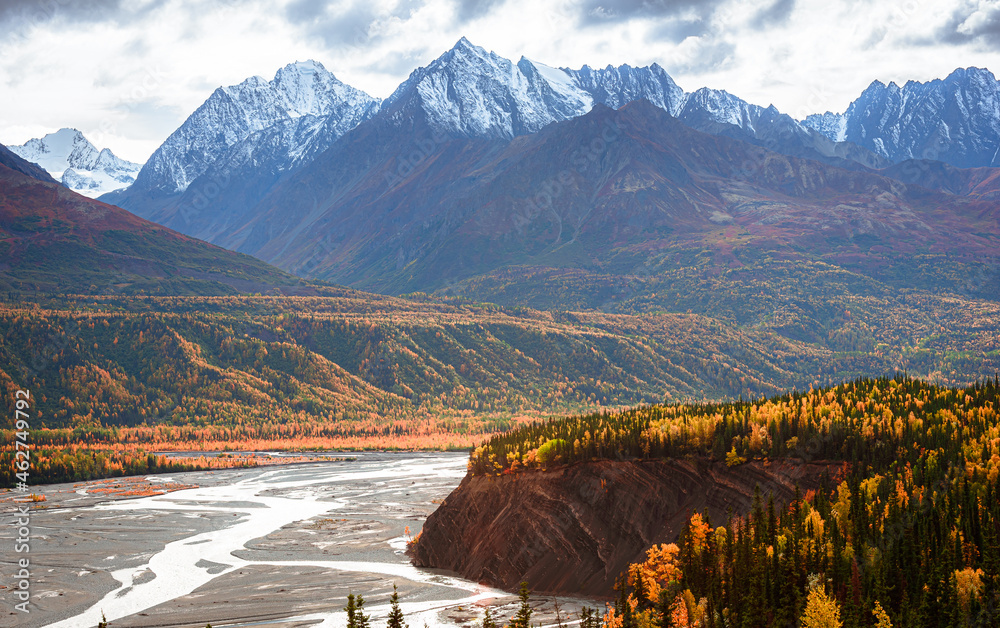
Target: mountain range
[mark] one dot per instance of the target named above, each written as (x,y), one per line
(71,159)
(614,238)
(477,167)
(611,193)
(955,120)
(246,139)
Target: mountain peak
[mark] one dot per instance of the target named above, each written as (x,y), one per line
(464,44)
(64,134)
(466,51)
(302,101)
(470,92)
(901,123)
(307,68)
(71,159)
(972,72)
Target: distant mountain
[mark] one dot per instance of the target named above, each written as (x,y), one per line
(71,159)
(469,92)
(304,101)
(18,164)
(720,113)
(607,192)
(55,240)
(955,120)
(466,93)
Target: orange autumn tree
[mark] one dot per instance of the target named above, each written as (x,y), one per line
(698,531)
(657,572)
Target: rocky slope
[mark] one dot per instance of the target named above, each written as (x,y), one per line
(573,529)
(607,191)
(955,120)
(13,161)
(302,95)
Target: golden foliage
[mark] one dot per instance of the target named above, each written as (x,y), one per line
(821,610)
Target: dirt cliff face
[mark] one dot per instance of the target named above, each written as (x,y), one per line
(573,529)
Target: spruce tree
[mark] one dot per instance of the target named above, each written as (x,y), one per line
(665,609)
(360,619)
(395,614)
(488,620)
(352,611)
(588,618)
(523,617)
(355,608)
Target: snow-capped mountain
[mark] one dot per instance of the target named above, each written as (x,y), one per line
(231,114)
(470,92)
(619,86)
(212,173)
(71,159)
(720,113)
(955,120)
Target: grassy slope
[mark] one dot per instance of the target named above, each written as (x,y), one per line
(54,240)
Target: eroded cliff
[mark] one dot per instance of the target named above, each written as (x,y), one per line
(573,529)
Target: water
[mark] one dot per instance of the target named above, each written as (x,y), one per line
(260,519)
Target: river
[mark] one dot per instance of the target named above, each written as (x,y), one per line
(277,545)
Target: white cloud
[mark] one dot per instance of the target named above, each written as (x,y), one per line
(128,78)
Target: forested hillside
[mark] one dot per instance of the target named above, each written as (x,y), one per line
(363,370)
(906,536)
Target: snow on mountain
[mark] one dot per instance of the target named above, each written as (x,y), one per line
(955,120)
(246,139)
(71,159)
(233,113)
(722,107)
(619,86)
(832,125)
(470,92)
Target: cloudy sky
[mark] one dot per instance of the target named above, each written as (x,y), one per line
(127,72)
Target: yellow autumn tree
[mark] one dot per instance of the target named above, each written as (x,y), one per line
(657,571)
(968,582)
(881,617)
(821,611)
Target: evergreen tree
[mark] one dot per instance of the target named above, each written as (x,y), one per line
(665,609)
(355,608)
(622,606)
(523,617)
(395,614)
(352,611)
(488,620)
(588,618)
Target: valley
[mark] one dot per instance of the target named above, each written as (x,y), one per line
(669,354)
